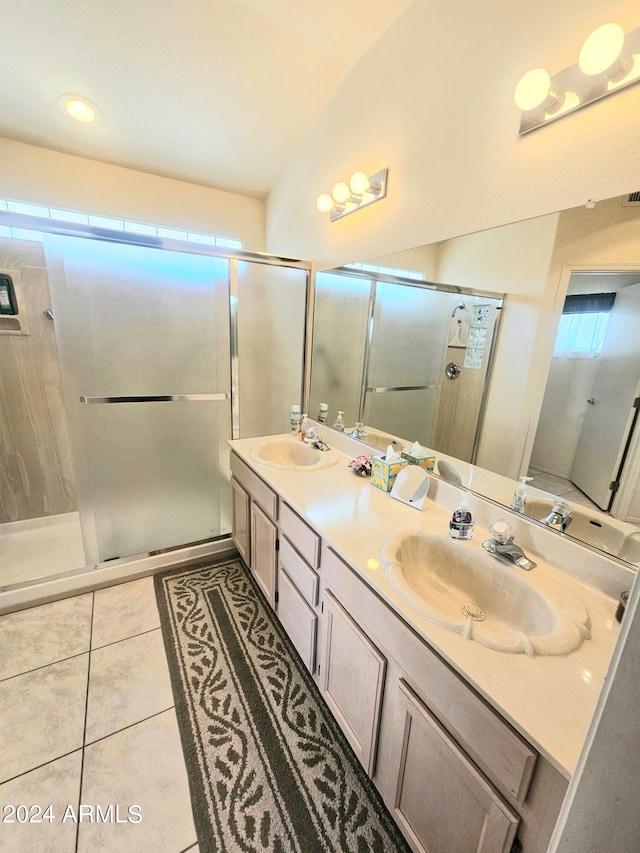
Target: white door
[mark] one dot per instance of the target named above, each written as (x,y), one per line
(610,410)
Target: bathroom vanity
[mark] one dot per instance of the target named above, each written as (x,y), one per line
(471,747)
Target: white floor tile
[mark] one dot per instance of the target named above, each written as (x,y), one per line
(128,681)
(45,634)
(42,715)
(142,765)
(56,785)
(123,611)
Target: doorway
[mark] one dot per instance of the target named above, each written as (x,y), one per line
(589,409)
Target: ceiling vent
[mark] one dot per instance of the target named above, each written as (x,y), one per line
(631,200)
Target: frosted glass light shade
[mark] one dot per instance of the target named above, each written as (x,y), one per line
(324,203)
(359,183)
(80,109)
(601,50)
(341,192)
(533,89)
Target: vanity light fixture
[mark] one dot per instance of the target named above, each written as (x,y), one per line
(361,191)
(79,109)
(608,62)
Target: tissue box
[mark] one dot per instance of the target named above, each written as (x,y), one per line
(426,462)
(383,473)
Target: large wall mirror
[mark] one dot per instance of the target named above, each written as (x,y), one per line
(403,358)
(509,352)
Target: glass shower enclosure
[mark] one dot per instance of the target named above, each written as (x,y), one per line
(163,350)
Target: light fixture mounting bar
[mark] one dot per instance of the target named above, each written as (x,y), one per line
(377,190)
(578,90)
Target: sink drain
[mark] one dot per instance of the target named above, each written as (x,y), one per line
(472,611)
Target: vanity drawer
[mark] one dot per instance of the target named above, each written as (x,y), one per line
(305,579)
(259,491)
(298,620)
(301,536)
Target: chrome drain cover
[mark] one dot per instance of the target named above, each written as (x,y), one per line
(472,611)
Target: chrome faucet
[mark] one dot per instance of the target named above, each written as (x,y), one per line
(503,546)
(358,431)
(560,516)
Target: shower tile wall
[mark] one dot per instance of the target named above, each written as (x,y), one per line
(36,476)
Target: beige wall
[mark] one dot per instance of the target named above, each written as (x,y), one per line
(513,260)
(36,474)
(28,173)
(433,101)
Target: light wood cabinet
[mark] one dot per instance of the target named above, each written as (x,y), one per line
(241,520)
(352,677)
(456,776)
(264,543)
(484,756)
(298,619)
(254,511)
(442,802)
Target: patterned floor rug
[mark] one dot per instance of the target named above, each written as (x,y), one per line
(269,769)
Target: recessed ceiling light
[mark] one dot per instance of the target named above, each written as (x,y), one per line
(79,109)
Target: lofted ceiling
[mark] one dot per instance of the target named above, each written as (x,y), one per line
(214,92)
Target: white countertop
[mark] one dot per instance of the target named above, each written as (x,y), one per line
(550,700)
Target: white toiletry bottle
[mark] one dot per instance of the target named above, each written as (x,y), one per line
(323,413)
(339,424)
(295,419)
(304,426)
(519,499)
(462,524)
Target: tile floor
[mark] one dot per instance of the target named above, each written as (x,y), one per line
(560,487)
(87,717)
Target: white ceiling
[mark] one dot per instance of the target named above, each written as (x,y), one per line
(215,92)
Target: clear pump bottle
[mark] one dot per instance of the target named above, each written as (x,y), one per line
(339,422)
(519,500)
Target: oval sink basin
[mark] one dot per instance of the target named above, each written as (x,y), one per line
(476,595)
(293,454)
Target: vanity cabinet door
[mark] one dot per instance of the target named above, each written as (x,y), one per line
(443,804)
(264,535)
(352,679)
(240,520)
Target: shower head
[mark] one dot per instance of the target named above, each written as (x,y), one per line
(460,307)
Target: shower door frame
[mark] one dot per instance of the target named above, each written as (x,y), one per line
(366,387)
(234,256)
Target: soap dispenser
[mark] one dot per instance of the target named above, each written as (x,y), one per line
(519,499)
(339,422)
(461,524)
(305,426)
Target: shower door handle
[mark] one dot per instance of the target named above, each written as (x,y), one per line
(158,398)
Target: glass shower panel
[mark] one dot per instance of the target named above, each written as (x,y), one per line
(140,323)
(409,339)
(339,344)
(271,328)
(406,360)
(411,415)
